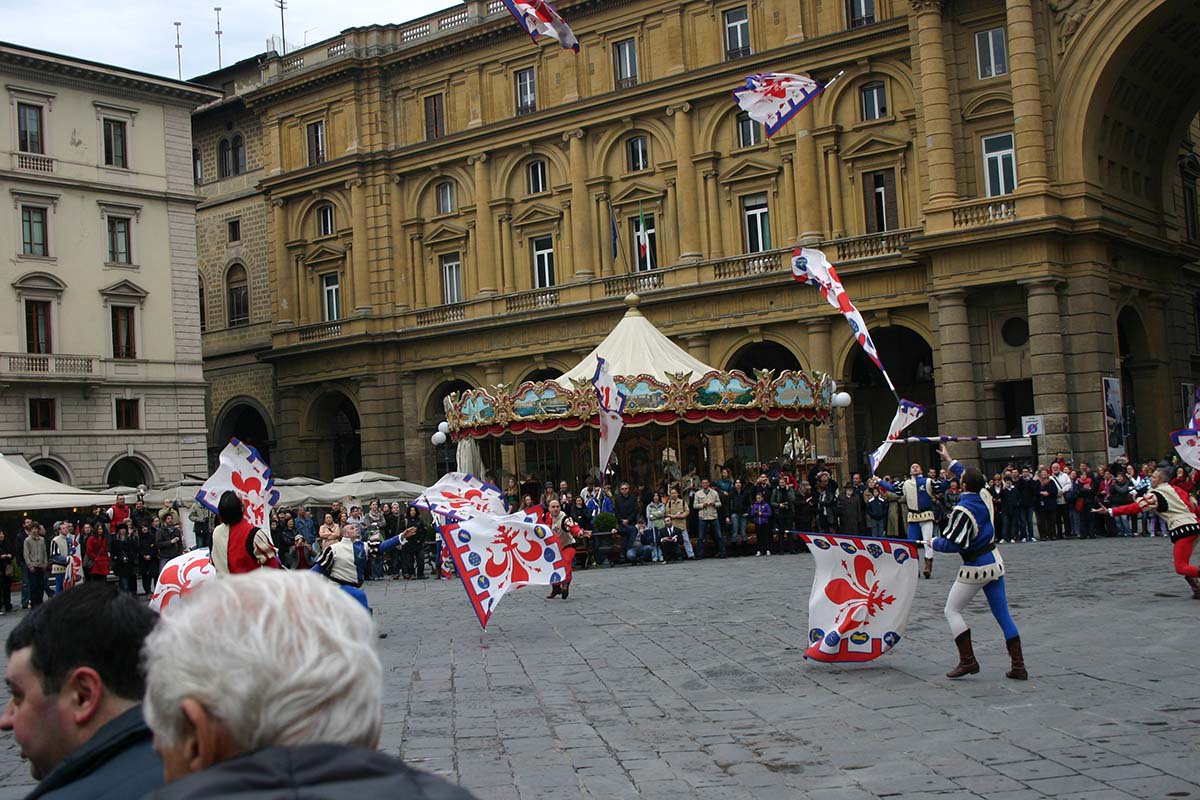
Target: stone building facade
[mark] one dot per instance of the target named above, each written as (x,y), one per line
(1007,188)
(100,360)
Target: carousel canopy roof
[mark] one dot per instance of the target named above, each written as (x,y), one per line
(636,347)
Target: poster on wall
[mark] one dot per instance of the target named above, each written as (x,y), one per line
(1114,418)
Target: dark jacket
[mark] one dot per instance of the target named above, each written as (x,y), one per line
(166,548)
(1027,490)
(118,763)
(328,772)
(739,502)
(626,508)
(1048,503)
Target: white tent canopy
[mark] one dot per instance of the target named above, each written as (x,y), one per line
(636,347)
(364,487)
(22,489)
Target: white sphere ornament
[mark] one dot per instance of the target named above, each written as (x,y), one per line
(444,427)
(842,400)
(833,386)
(439,438)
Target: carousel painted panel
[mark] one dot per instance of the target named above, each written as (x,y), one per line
(723,390)
(644,394)
(793,390)
(542,401)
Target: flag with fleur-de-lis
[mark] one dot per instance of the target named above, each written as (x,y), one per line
(243,470)
(495,554)
(861,597)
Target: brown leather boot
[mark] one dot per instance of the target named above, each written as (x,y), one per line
(555,590)
(1195,584)
(967,665)
(566,589)
(928,568)
(1017,673)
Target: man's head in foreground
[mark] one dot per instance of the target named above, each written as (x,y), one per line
(242,664)
(73,668)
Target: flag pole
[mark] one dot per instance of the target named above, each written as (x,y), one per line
(612,221)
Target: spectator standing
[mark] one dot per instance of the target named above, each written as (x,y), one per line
(148,558)
(760,514)
(1062,519)
(877,510)
(1047,504)
(1120,493)
(202,524)
(169,541)
(1086,500)
(124,551)
(412,557)
(77,682)
(1027,494)
(826,499)
(783,504)
(739,516)
(37,562)
(19,553)
(656,521)
(677,511)
(1010,510)
(7,559)
(850,512)
(60,555)
(708,507)
(118,513)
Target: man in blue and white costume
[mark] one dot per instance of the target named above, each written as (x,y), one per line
(970,533)
(918,493)
(345,561)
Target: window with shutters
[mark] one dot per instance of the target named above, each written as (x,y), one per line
(197,168)
(119,245)
(325,225)
(645,242)
(435,117)
(37,327)
(34,238)
(238,145)
(445,197)
(224,159)
(638,153)
(879,201)
(237,296)
(331,296)
(543,262)
(1000,164)
(315,134)
(749,132)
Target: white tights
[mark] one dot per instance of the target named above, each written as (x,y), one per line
(961,595)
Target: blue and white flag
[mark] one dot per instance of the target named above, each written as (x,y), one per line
(907,413)
(773,98)
(538,17)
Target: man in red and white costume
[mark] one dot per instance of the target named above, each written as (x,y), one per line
(238,546)
(1179,512)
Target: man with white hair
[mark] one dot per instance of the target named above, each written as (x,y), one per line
(250,695)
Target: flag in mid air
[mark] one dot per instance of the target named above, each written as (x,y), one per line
(861,597)
(907,413)
(243,470)
(612,404)
(773,98)
(538,17)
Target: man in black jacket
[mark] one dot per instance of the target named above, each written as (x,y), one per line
(625,507)
(1027,492)
(311,730)
(77,684)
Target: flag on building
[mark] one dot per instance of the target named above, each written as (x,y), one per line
(773,98)
(643,244)
(181,575)
(861,597)
(612,221)
(495,554)
(812,267)
(612,405)
(243,470)
(538,17)
(907,413)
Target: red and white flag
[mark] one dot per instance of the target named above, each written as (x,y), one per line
(773,98)
(243,470)
(1187,444)
(181,575)
(538,17)
(612,401)
(907,413)
(812,267)
(495,554)
(861,596)
(458,496)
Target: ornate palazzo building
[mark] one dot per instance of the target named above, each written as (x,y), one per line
(1007,188)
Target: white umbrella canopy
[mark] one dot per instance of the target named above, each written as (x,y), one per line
(182,492)
(296,491)
(364,487)
(22,489)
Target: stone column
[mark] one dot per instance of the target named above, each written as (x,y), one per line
(360,256)
(401,270)
(833,172)
(1047,363)
(788,191)
(1027,95)
(697,347)
(414,447)
(712,191)
(685,171)
(485,247)
(581,235)
(808,196)
(285,270)
(420,296)
(493,373)
(820,358)
(935,98)
(956,374)
(506,252)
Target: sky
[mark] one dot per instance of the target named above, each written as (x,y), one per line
(140,34)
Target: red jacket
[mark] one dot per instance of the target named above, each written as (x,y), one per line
(119,514)
(97,551)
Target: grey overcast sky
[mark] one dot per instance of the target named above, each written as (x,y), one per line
(140,34)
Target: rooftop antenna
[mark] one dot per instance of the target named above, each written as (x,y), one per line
(282,4)
(178,52)
(218,10)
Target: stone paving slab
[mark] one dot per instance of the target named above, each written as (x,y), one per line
(688,681)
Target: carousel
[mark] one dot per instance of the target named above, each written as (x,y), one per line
(680,415)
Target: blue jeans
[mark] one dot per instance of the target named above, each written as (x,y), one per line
(1123,526)
(878,527)
(1024,523)
(1008,524)
(712,526)
(24,585)
(638,552)
(737,527)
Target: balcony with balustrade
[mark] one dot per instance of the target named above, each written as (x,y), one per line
(54,367)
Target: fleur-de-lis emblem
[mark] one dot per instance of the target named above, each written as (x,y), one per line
(508,559)
(858,595)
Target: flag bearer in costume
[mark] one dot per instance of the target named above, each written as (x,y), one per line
(1173,505)
(345,561)
(918,492)
(567,530)
(970,533)
(237,545)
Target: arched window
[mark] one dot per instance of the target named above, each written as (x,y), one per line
(239,155)
(237,296)
(203,307)
(224,159)
(127,472)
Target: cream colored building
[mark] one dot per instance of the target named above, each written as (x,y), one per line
(100,359)
(1007,188)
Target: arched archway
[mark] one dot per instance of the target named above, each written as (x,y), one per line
(246,420)
(909,361)
(444,456)
(763,355)
(129,471)
(335,425)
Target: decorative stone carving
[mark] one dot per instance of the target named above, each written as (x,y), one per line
(1069,16)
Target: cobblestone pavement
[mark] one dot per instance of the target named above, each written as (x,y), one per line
(687,681)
